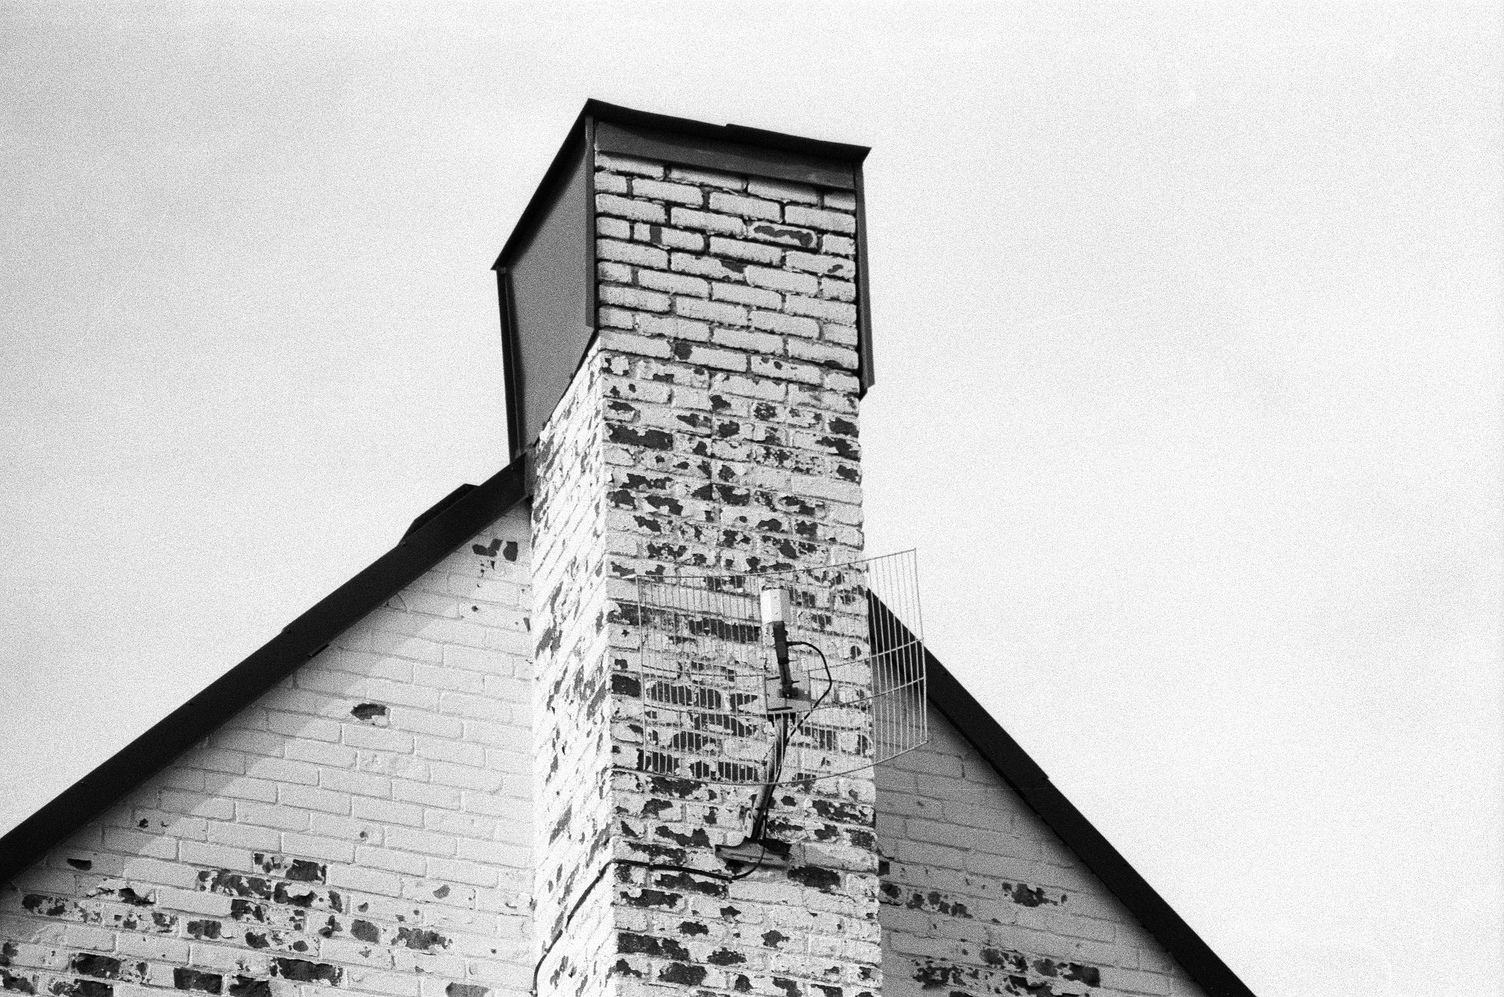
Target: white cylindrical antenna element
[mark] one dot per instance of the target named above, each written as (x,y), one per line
(777,606)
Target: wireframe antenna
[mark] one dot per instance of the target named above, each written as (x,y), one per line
(780,677)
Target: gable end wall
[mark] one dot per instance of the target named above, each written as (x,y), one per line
(364,825)
(980,897)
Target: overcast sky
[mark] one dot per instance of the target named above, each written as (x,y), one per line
(1188,346)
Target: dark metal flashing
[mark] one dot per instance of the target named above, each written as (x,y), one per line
(432,537)
(509,361)
(437,508)
(723,153)
(867,373)
(1030,782)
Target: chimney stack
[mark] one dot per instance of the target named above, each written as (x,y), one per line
(685,322)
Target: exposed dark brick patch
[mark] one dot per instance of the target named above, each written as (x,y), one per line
(246,986)
(465,990)
(307,972)
(81,988)
(367,711)
(652,439)
(631,943)
(83,865)
(725,957)
(203,929)
(88,964)
(19,984)
(824,880)
(678,972)
(423,939)
(193,979)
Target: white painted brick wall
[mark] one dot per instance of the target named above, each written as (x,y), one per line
(364,825)
(980,896)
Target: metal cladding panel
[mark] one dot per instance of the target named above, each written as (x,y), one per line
(548,286)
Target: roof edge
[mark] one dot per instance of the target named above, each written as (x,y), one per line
(433,536)
(1020,771)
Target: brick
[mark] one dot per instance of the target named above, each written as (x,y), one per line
(689,218)
(841,200)
(705,356)
(783,280)
(820,218)
(610,183)
(628,164)
(313,798)
(704,266)
(840,290)
(842,335)
(833,311)
(159,872)
(615,339)
(718,312)
(823,353)
(742,339)
(359,736)
(774,367)
(330,849)
(751,251)
(630,252)
(788,325)
(746,207)
(607,227)
(241,787)
(824,266)
(778,190)
(630,297)
(756,297)
(616,318)
(674,283)
(461,871)
(839,245)
(275,770)
(630,207)
(707,178)
(672,238)
(678,193)
(618,273)
(783,235)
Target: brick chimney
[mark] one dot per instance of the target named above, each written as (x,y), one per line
(708,420)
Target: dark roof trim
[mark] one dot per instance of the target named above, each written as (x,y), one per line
(433,536)
(739,134)
(721,153)
(1030,782)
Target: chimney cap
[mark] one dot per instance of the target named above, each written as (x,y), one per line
(546,271)
(730,148)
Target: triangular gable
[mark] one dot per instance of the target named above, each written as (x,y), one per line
(435,535)
(431,538)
